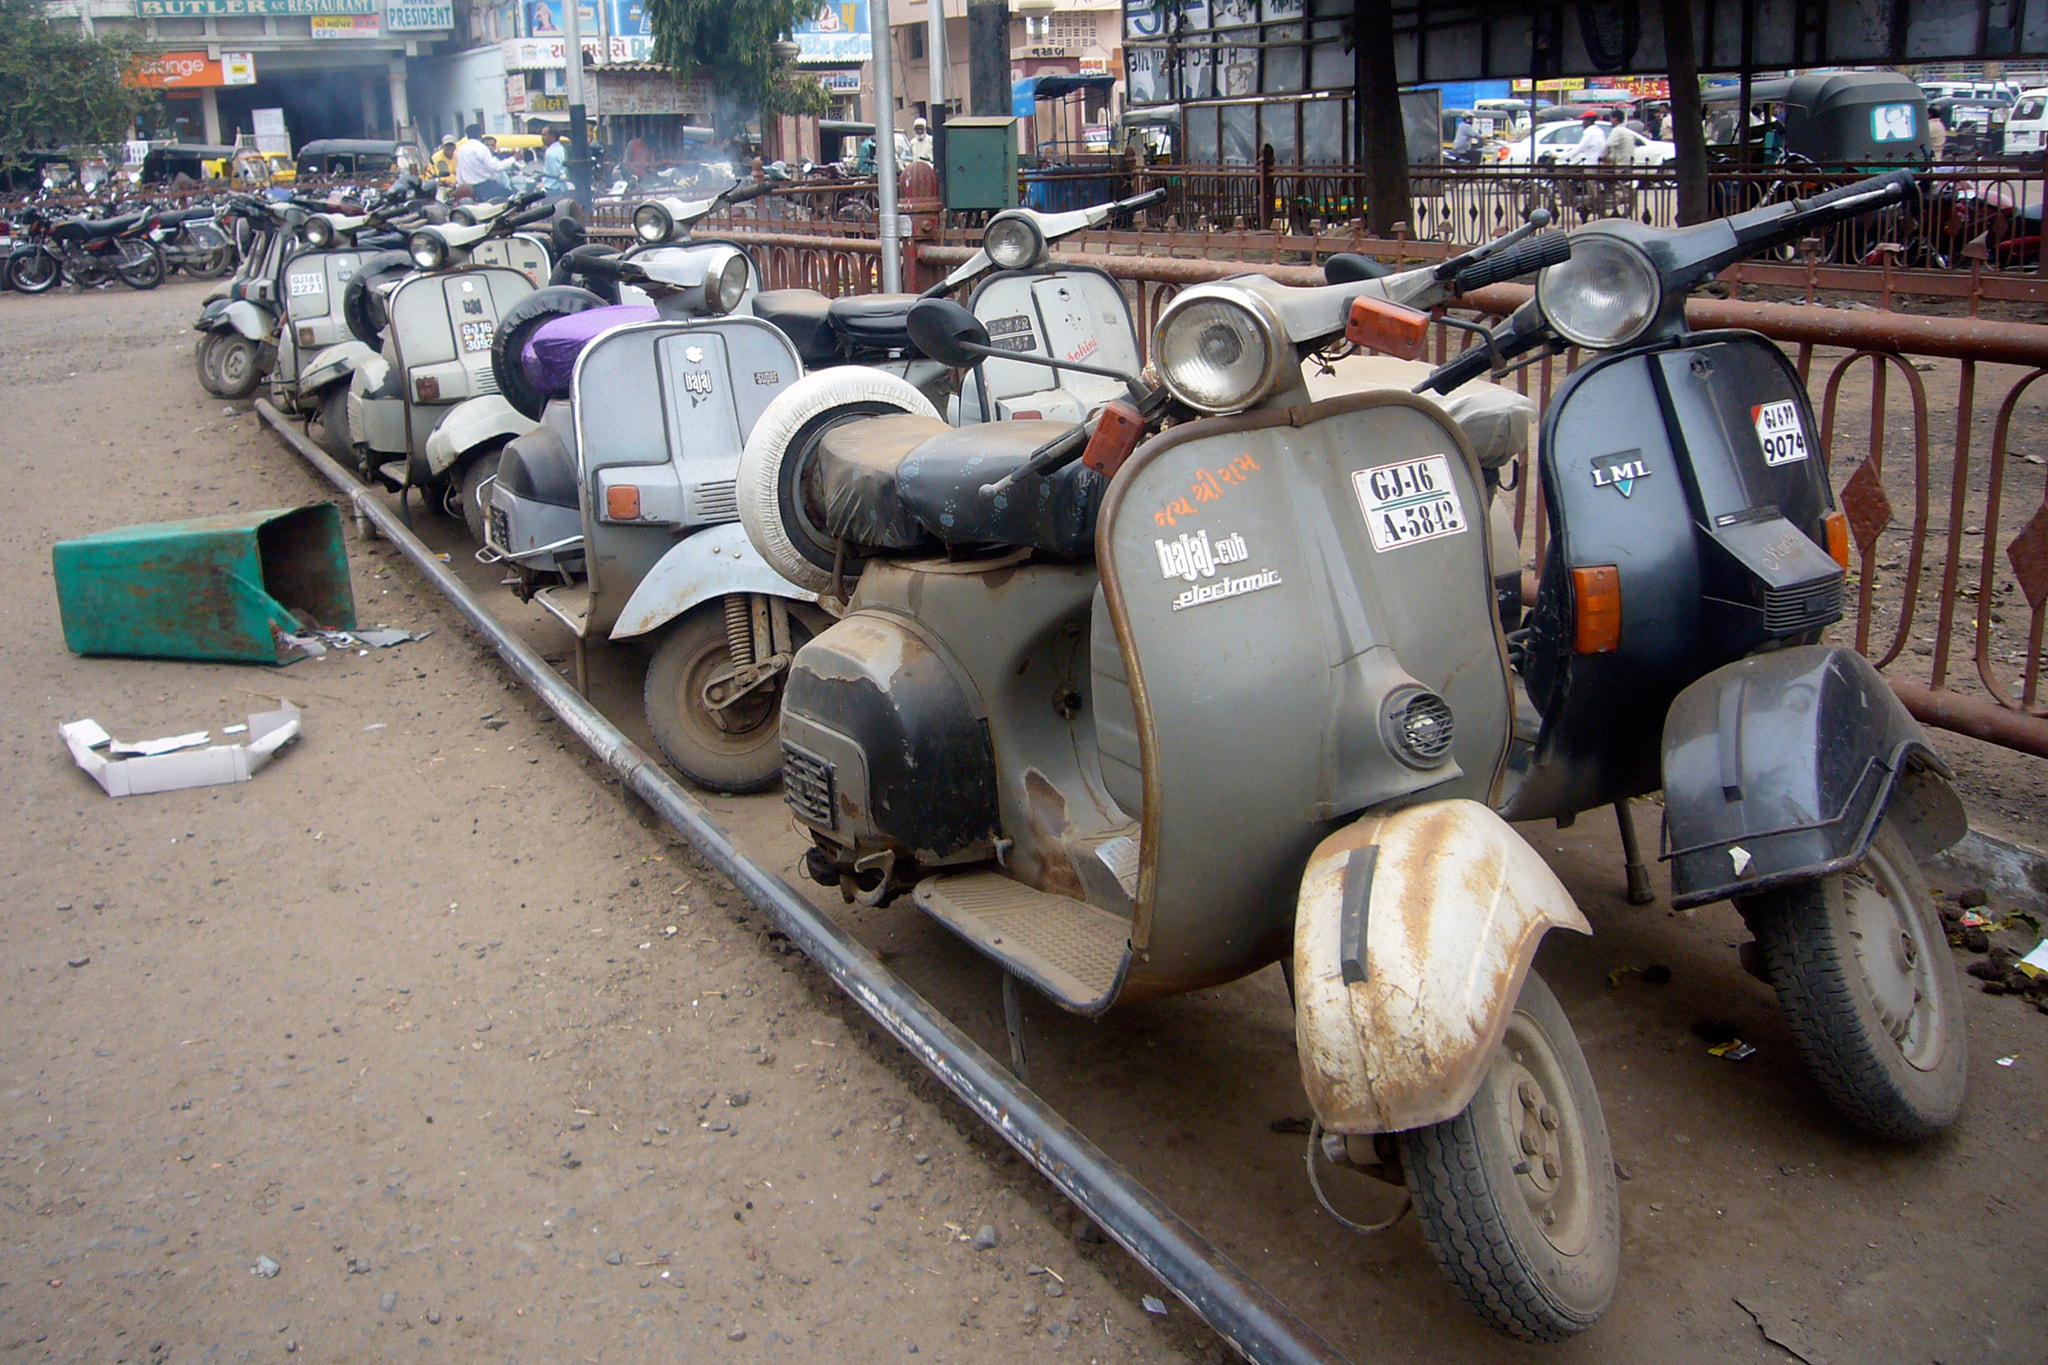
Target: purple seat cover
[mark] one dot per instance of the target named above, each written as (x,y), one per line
(549,357)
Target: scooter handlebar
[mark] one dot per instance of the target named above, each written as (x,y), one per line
(1904,180)
(1138,201)
(534,215)
(746,192)
(1525,258)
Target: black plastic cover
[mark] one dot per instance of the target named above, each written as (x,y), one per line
(539,467)
(802,315)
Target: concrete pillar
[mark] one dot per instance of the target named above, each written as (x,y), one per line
(209,114)
(401,108)
(367,83)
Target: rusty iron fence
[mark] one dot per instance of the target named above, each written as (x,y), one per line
(1947,500)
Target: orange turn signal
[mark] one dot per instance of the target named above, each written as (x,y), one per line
(1596,606)
(1838,539)
(1117,433)
(622,502)
(1388,328)
(426,389)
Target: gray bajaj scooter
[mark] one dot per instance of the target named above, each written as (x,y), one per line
(1695,558)
(1240,697)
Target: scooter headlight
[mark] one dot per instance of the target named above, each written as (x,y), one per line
(320,231)
(722,290)
(1605,296)
(1013,242)
(427,249)
(1218,350)
(652,222)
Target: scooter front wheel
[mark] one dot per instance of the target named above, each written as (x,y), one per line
(735,748)
(1516,1194)
(203,357)
(235,365)
(1870,991)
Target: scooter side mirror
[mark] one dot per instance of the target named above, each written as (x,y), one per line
(945,331)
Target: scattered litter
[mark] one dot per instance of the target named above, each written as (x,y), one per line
(2008,1061)
(378,726)
(1153,1306)
(1734,1050)
(1740,857)
(265,1268)
(147,747)
(2036,962)
(156,769)
(317,640)
(234,729)
(1973,919)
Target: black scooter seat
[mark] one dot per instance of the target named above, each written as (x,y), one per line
(873,322)
(98,229)
(899,483)
(804,316)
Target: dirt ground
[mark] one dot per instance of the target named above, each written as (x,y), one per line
(404,1015)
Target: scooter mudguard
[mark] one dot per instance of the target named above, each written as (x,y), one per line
(1778,768)
(376,407)
(713,562)
(1412,936)
(332,365)
(246,318)
(472,423)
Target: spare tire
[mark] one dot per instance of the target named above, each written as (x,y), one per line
(516,325)
(567,270)
(361,306)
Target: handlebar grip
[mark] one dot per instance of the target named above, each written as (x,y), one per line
(1903,180)
(1465,368)
(520,201)
(746,192)
(1524,258)
(1139,201)
(605,267)
(534,215)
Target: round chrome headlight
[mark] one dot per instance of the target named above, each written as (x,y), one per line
(723,289)
(1605,296)
(427,250)
(1416,724)
(1218,352)
(652,223)
(1013,243)
(320,231)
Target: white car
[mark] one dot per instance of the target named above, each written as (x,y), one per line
(1555,142)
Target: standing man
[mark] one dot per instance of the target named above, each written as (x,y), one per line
(554,164)
(478,168)
(920,141)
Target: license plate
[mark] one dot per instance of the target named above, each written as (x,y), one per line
(1405,504)
(1777,431)
(476,336)
(302,285)
(500,537)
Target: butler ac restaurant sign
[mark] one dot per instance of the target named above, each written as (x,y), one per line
(203,9)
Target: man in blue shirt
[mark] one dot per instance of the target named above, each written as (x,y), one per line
(554,164)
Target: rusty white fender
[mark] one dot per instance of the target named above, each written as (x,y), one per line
(332,365)
(713,562)
(1412,937)
(471,423)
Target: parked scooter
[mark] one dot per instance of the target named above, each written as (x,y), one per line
(238,325)
(1093,709)
(1695,557)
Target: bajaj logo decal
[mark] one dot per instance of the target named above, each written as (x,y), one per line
(697,383)
(1621,474)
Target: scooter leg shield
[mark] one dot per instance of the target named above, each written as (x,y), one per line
(1778,768)
(1412,936)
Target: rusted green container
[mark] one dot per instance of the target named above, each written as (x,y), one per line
(214,588)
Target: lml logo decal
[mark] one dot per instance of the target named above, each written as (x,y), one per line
(1623,475)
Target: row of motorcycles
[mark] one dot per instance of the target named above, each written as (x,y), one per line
(1140,678)
(137,245)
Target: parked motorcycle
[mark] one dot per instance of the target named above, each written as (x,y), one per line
(193,241)
(1133,723)
(1696,556)
(86,252)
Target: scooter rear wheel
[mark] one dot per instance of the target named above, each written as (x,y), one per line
(1870,991)
(1516,1194)
(737,749)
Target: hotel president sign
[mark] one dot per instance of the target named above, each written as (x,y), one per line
(203,9)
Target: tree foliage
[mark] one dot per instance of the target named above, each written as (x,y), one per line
(59,87)
(729,42)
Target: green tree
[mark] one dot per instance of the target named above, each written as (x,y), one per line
(59,87)
(730,43)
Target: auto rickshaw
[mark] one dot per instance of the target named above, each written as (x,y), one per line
(1860,120)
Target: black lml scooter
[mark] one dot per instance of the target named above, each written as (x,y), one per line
(1696,556)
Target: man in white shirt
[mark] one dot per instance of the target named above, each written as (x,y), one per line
(920,141)
(1622,141)
(1591,148)
(479,168)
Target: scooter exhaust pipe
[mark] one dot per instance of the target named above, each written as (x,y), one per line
(1197,1272)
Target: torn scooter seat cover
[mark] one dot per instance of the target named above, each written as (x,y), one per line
(549,357)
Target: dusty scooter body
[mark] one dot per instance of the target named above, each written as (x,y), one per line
(239,326)
(1240,698)
(1695,557)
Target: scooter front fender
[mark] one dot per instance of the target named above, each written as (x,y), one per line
(472,423)
(246,318)
(332,365)
(713,562)
(1778,767)
(1412,936)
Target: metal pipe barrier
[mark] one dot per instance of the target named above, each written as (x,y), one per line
(1197,1271)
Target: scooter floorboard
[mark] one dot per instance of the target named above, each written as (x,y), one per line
(1072,951)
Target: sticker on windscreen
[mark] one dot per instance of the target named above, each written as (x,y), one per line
(1778,432)
(1408,503)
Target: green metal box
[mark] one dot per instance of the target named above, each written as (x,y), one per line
(214,588)
(981,163)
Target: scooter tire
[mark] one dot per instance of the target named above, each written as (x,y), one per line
(334,438)
(517,326)
(769,485)
(472,483)
(1485,1220)
(1862,969)
(736,751)
(237,366)
(34,272)
(202,355)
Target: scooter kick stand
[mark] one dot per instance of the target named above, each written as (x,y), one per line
(1639,892)
(1013,1020)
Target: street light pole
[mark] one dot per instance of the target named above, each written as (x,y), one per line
(572,86)
(885,145)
